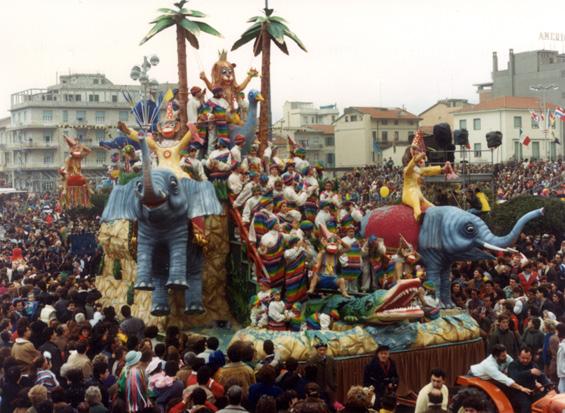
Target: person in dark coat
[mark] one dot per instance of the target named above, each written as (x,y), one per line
(381,374)
(503,335)
(50,346)
(524,372)
(326,370)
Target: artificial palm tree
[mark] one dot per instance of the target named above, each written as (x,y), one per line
(189,29)
(264,30)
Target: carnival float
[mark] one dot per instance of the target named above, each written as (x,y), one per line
(168,231)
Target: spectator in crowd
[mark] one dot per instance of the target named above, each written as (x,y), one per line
(437,382)
(381,373)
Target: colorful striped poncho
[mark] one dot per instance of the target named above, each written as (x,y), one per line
(352,270)
(310,209)
(260,224)
(220,121)
(216,174)
(296,278)
(133,383)
(384,274)
(273,260)
(331,225)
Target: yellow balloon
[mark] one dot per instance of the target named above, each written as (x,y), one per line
(384,191)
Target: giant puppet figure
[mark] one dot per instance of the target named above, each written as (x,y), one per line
(75,190)
(169,208)
(223,76)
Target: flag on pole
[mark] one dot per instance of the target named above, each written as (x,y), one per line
(560,113)
(520,134)
(168,95)
(534,116)
(526,141)
(551,117)
(376,147)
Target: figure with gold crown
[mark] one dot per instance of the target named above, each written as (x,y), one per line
(75,189)
(415,170)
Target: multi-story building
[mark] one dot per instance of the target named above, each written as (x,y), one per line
(511,116)
(369,135)
(442,112)
(319,143)
(524,70)
(310,126)
(85,106)
(4,124)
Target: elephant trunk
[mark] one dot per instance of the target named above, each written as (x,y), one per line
(150,197)
(507,240)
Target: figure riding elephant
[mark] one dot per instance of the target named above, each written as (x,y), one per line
(447,234)
(163,206)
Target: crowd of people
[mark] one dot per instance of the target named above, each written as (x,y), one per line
(61,351)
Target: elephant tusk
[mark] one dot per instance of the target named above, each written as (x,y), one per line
(495,248)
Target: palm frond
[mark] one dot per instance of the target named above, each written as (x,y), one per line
(158,27)
(206,28)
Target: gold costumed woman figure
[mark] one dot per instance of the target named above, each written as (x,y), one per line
(415,169)
(75,191)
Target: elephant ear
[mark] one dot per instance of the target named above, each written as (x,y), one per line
(121,204)
(201,197)
(430,233)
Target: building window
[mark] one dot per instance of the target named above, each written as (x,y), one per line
(65,116)
(114,98)
(374,136)
(410,135)
(100,116)
(81,115)
(47,138)
(396,121)
(384,122)
(476,124)
(384,136)
(100,157)
(353,118)
(518,150)
(347,118)
(47,159)
(47,115)
(462,123)
(93,98)
(99,135)
(396,136)
(78,98)
(330,141)
(535,150)
(477,150)
(330,159)
(95,81)
(123,115)
(517,122)
(534,124)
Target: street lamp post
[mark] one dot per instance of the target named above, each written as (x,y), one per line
(543,89)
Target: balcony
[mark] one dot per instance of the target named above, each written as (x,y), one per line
(31,166)
(32,145)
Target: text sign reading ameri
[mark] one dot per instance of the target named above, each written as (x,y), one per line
(552,36)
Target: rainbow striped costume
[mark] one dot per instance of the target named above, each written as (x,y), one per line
(260,224)
(310,209)
(274,263)
(352,270)
(296,278)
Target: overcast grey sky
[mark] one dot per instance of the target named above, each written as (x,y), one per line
(361,52)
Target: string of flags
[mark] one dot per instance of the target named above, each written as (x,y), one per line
(550,117)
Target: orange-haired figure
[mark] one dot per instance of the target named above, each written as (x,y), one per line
(415,169)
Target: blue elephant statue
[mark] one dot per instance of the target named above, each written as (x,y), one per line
(447,234)
(163,205)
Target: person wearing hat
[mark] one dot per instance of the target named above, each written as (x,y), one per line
(381,373)
(250,204)
(133,384)
(325,219)
(261,213)
(195,103)
(238,143)
(247,191)
(311,183)
(351,270)
(277,314)
(299,158)
(220,162)
(291,196)
(326,370)
(192,165)
(296,273)
(271,250)
(328,194)
(237,179)
(274,175)
(252,159)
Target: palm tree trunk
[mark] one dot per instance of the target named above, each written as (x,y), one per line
(183,80)
(265,110)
